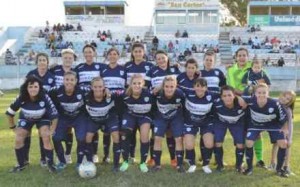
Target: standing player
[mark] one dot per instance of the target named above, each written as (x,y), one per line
(48,81)
(169,115)
(266,115)
(138,102)
(137,65)
(198,115)
(69,101)
(186,79)
(114,79)
(85,73)
(102,115)
(228,114)
(36,109)
(58,72)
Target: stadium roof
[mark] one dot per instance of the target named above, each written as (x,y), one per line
(274,3)
(94,2)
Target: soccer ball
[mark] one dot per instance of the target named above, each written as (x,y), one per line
(87,170)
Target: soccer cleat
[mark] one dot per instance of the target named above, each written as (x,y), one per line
(192,169)
(43,163)
(288,171)
(180,169)
(248,172)
(151,162)
(143,167)
(206,169)
(124,166)
(68,159)
(261,164)
(282,173)
(155,168)
(105,160)
(51,168)
(95,159)
(220,168)
(131,160)
(174,163)
(272,167)
(16,169)
(240,170)
(61,166)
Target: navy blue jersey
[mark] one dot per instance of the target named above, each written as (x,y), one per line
(215,79)
(48,80)
(114,79)
(186,84)
(227,115)
(99,111)
(156,75)
(168,108)
(141,106)
(251,78)
(198,110)
(270,116)
(68,106)
(85,72)
(58,73)
(131,68)
(33,110)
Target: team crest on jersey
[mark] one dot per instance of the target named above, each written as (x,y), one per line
(124,121)
(79,96)
(271,110)
(172,70)
(217,73)
(208,97)
(240,111)
(50,81)
(108,100)
(248,134)
(23,124)
(178,100)
(97,66)
(147,68)
(188,129)
(155,129)
(42,104)
(146,99)
(121,73)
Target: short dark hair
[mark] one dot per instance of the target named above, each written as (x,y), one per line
(200,81)
(88,46)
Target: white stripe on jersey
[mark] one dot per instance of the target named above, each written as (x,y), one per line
(99,112)
(47,87)
(114,82)
(129,75)
(87,76)
(198,109)
(167,107)
(230,119)
(139,108)
(71,107)
(33,114)
(262,118)
(157,81)
(11,111)
(59,80)
(212,82)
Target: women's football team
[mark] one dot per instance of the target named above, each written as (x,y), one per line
(155,100)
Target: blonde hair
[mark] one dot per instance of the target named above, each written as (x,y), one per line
(95,79)
(167,79)
(291,104)
(135,76)
(261,85)
(67,51)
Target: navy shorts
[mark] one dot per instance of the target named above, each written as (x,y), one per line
(175,124)
(274,134)
(237,132)
(79,124)
(27,125)
(108,126)
(193,128)
(134,122)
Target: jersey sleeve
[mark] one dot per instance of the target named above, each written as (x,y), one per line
(50,108)
(14,107)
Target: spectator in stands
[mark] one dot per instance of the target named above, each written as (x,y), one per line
(102,37)
(274,40)
(9,58)
(252,28)
(187,53)
(31,55)
(204,48)
(67,28)
(170,46)
(93,43)
(98,34)
(54,28)
(233,40)
(250,42)
(71,27)
(267,61)
(104,33)
(138,39)
(177,34)
(181,57)
(155,42)
(41,34)
(70,45)
(109,34)
(216,49)
(60,37)
(176,46)
(258,28)
(194,48)
(185,34)
(239,41)
(79,27)
(256,43)
(53,52)
(127,39)
(280,62)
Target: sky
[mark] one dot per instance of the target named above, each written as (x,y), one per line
(36,12)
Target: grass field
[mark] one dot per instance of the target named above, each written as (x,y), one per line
(34,175)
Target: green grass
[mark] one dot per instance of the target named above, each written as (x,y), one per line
(34,175)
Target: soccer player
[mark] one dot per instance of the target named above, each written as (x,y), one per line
(138,102)
(58,72)
(114,79)
(156,76)
(36,109)
(266,114)
(198,115)
(85,73)
(215,78)
(169,115)
(228,114)
(137,65)
(48,81)
(287,99)
(186,79)
(102,115)
(69,101)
